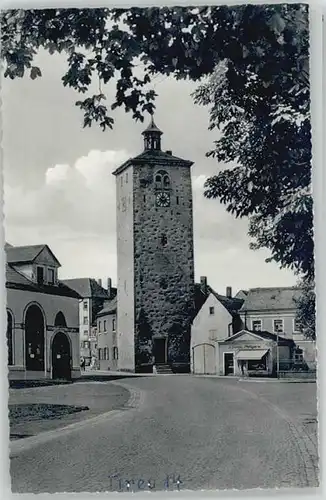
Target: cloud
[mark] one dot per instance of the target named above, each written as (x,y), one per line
(79,197)
(73,211)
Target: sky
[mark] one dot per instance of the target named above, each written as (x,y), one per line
(59,188)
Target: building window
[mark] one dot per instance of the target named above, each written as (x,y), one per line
(296,326)
(99,327)
(115,353)
(211,310)
(51,276)
(121,181)
(85,332)
(256,325)
(278,326)
(86,344)
(104,326)
(85,305)
(144,199)
(40,275)
(298,355)
(126,177)
(113,324)
(85,320)
(100,354)
(177,200)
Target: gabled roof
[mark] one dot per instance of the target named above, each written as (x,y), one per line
(231,304)
(26,254)
(109,308)
(263,299)
(87,288)
(265,335)
(16,280)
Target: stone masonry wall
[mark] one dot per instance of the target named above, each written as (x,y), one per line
(163,274)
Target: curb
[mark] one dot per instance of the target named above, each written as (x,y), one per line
(134,401)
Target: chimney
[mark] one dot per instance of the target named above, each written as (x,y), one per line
(203,284)
(169,152)
(99,281)
(109,286)
(229,292)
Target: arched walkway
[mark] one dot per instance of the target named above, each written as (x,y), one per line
(34,338)
(61,357)
(10,338)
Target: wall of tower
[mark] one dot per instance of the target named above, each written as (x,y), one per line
(125,268)
(163,274)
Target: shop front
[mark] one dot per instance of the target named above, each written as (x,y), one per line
(251,354)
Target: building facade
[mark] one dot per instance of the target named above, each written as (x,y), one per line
(92,299)
(107,345)
(217,318)
(155,258)
(274,310)
(252,353)
(42,316)
(233,336)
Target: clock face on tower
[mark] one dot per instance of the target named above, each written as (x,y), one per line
(163,199)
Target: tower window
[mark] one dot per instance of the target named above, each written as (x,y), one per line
(164,240)
(158,181)
(164,283)
(162,180)
(144,198)
(166,182)
(177,200)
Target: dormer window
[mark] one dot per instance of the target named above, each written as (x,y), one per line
(40,275)
(51,276)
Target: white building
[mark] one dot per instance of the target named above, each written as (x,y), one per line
(93,297)
(217,318)
(232,334)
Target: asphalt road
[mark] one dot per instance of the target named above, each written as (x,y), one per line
(205,433)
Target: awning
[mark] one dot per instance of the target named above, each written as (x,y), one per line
(251,354)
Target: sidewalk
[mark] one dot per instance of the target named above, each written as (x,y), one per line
(38,409)
(113,375)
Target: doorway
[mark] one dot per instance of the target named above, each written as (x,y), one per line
(159,351)
(61,357)
(34,339)
(228,363)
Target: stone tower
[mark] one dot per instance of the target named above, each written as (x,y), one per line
(155,258)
